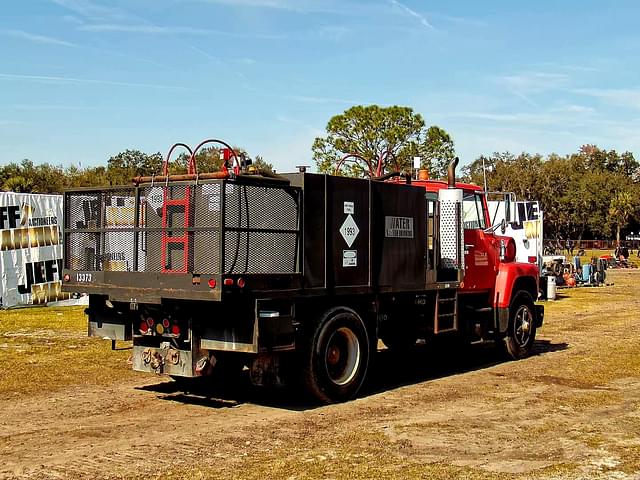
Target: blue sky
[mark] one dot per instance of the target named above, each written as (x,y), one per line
(81,80)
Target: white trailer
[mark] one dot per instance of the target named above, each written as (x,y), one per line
(525,226)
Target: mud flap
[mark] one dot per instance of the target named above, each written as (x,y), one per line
(109,327)
(539,315)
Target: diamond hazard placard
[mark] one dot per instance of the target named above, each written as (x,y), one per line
(349,230)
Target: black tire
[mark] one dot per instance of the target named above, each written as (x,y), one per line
(521,333)
(336,356)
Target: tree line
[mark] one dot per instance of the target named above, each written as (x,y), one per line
(26,177)
(593,193)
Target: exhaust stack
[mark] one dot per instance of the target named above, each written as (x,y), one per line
(451,172)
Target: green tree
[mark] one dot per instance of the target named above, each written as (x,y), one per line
(437,151)
(621,208)
(391,135)
(575,191)
(209,160)
(124,166)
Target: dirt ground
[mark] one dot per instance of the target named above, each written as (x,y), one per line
(572,410)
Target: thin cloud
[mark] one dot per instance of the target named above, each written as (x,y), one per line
(31,37)
(89,81)
(312,99)
(297,6)
(334,33)
(90,10)
(471,22)
(152,29)
(622,97)
(535,82)
(421,18)
(525,84)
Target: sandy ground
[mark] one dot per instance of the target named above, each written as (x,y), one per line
(557,414)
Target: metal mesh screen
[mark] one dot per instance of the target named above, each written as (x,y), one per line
(451,233)
(261,229)
(99,229)
(179,229)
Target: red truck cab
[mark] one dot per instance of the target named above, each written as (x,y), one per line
(492,278)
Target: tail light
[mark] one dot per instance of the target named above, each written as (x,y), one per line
(532,259)
(240,282)
(175,329)
(144,328)
(165,323)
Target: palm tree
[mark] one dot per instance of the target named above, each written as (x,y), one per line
(621,209)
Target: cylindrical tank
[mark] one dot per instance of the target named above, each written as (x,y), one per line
(551,287)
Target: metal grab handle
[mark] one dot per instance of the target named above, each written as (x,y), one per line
(165,166)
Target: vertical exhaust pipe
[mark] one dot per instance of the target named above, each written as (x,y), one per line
(451,172)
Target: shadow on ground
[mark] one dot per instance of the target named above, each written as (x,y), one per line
(391,370)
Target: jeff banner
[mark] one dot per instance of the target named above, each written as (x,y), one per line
(30,249)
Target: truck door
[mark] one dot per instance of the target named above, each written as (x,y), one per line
(480,248)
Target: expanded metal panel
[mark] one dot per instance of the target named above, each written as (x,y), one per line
(260,252)
(179,229)
(261,229)
(260,207)
(107,220)
(451,233)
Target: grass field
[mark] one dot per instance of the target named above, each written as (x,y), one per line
(46,349)
(569,411)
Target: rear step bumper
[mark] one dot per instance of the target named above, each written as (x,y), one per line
(164,359)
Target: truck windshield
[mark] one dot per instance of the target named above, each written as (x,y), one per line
(473,211)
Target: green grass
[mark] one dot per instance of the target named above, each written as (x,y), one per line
(45,349)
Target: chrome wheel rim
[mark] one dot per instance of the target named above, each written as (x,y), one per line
(522,325)
(342,356)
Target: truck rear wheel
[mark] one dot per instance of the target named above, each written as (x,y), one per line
(337,356)
(522,326)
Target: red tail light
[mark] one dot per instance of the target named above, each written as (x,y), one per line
(175,330)
(228,282)
(240,282)
(165,323)
(212,283)
(532,259)
(144,327)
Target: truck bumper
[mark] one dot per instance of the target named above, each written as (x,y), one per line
(164,359)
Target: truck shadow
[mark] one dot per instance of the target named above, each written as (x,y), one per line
(391,370)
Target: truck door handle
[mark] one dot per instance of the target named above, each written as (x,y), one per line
(468,245)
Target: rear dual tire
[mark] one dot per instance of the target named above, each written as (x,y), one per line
(336,356)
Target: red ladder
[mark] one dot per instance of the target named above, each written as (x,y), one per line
(167,205)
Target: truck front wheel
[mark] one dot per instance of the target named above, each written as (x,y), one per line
(336,357)
(522,326)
